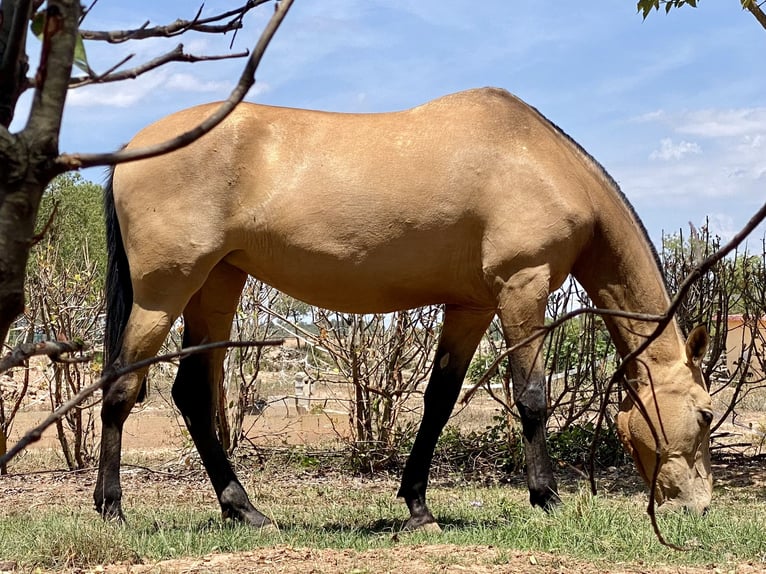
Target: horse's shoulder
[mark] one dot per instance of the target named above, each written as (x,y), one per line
(487,97)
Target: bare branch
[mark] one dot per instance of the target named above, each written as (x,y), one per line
(53,349)
(87,10)
(755,9)
(175,55)
(112,374)
(247,79)
(54,70)
(197,24)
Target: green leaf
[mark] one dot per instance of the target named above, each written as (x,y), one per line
(38,24)
(646,6)
(80,58)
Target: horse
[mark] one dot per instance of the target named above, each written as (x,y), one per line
(473,201)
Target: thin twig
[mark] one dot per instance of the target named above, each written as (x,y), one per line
(175,55)
(76,161)
(39,236)
(112,374)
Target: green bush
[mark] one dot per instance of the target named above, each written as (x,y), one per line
(496,449)
(573,445)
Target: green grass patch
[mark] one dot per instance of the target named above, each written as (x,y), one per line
(343,513)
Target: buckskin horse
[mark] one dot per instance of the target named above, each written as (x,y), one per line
(474,201)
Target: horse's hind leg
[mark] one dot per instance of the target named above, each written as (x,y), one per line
(144,334)
(522,311)
(461,332)
(207,318)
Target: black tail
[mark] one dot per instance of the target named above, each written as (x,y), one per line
(119,289)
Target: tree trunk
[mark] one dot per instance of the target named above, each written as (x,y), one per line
(27,159)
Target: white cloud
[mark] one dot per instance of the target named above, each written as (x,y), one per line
(713,123)
(733,163)
(131,92)
(674,151)
(116,95)
(654,116)
(192,83)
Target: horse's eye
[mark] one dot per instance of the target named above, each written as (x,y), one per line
(706,417)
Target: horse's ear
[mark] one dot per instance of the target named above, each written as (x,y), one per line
(696,345)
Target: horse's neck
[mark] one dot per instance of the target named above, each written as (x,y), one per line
(619,271)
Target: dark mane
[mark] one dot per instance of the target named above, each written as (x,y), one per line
(616,188)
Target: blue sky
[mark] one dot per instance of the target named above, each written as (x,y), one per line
(674,107)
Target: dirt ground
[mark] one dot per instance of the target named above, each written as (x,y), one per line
(420,559)
(157,427)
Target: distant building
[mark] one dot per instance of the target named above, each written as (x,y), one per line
(743,336)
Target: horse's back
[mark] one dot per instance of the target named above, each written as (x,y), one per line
(405,208)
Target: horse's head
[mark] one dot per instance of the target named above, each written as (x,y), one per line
(680,411)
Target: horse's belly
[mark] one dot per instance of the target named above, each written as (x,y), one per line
(375,284)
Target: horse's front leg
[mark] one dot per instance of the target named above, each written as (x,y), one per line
(530,398)
(461,332)
(522,313)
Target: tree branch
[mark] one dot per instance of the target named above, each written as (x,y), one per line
(197,24)
(53,349)
(13,62)
(55,68)
(111,375)
(755,9)
(66,162)
(175,55)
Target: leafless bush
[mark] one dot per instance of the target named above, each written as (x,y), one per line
(65,303)
(382,358)
(12,394)
(731,300)
(579,361)
(241,390)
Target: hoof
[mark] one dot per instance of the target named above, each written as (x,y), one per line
(423,524)
(250,517)
(548,500)
(112,513)
(431,528)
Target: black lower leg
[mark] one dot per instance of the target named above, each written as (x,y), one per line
(439,399)
(107,495)
(193,396)
(543,491)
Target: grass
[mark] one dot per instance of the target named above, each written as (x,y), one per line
(345,513)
